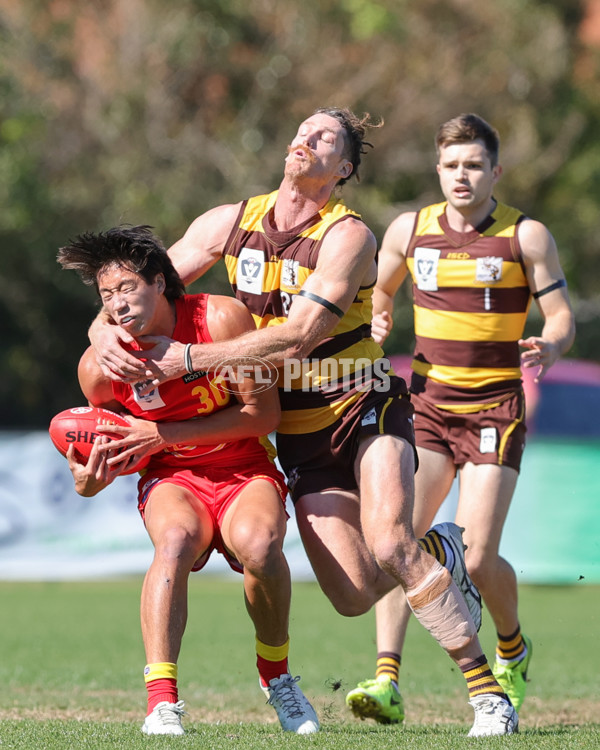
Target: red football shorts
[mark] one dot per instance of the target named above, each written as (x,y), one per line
(216,488)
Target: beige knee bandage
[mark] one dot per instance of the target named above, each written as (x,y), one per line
(440,607)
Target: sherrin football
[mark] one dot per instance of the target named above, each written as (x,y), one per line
(77,426)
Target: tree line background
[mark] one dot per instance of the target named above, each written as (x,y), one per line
(142,111)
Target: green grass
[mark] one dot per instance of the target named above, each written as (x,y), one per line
(71,665)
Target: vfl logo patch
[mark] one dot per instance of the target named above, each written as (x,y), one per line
(250,271)
(152,400)
(426,268)
(488,270)
(250,268)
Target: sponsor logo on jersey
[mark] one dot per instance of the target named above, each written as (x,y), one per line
(191,376)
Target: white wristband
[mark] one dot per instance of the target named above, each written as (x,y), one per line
(187,358)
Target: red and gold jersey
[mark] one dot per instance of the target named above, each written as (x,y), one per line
(192,396)
(267,268)
(471,300)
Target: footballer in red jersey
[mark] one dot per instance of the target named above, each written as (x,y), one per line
(210,482)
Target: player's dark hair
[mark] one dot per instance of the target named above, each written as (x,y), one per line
(135,248)
(467,128)
(355,128)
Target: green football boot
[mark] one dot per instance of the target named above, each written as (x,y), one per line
(377,699)
(512,677)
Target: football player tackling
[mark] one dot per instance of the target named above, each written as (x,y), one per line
(304,264)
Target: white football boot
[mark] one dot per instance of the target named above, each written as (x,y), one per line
(293,709)
(493,715)
(165,719)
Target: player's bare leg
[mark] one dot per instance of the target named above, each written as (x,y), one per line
(330,529)
(343,538)
(181,529)
(253,530)
(432,483)
(385,471)
(380,698)
(485,495)
(434,598)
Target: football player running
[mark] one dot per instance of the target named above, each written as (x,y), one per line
(475,265)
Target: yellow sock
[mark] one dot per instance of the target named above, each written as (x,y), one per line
(388,663)
(272,661)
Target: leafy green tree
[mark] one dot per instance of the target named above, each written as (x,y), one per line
(141,111)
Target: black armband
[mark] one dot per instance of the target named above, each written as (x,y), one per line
(557,285)
(321,301)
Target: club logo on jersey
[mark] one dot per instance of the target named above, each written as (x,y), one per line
(426,268)
(250,271)
(488,270)
(289,273)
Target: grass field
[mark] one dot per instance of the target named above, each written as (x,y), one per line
(71,665)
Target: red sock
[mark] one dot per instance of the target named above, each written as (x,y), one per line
(269,670)
(162,689)
(272,661)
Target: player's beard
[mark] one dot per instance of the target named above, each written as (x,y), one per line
(298,167)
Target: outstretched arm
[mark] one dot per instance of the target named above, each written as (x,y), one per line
(544,272)
(346,261)
(204,242)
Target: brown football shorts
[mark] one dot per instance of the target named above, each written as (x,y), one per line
(492,435)
(324,460)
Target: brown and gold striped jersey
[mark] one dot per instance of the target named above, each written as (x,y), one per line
(266,269)
(471,299)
